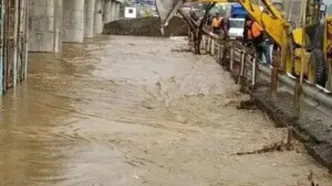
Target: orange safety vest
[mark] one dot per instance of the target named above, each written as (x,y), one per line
(215,23)
(254,31)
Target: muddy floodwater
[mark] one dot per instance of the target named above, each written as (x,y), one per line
(130,111)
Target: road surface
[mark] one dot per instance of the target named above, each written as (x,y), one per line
(131,111)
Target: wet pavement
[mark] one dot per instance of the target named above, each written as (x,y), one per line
(127,111)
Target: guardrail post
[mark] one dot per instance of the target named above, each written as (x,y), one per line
(231,59)
(193,42)
(243,55)
(212,47)
(203,42)
(274,83)
(206,44)
(298,88)
(189,31)
(241,73)
(218,53)
(190,42)
(296,98)
(254,70)
(299,80)
(222,54)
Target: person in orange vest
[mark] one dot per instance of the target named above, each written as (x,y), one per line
(255,34)
(216,24)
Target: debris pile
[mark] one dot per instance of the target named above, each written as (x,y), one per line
(146,26)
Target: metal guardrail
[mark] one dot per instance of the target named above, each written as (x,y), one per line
(244,65)
(241,62)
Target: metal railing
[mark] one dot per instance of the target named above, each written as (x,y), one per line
(248,71)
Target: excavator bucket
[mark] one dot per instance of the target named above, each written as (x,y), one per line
(166,10)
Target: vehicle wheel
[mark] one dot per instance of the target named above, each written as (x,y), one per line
(317,68)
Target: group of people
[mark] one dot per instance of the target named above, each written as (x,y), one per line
(253,34)
(219,25)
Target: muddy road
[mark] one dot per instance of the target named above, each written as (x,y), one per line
(129,111)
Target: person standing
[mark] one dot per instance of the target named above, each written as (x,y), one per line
(216,24)
(255,33)
(225,25)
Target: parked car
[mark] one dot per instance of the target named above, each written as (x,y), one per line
(236,28)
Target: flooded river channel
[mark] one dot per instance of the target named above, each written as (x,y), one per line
(129,111)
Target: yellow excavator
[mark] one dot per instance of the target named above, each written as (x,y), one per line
(317,32)
(315,38)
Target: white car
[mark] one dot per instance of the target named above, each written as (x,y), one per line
(236,28)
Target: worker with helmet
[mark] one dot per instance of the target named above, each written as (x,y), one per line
(254,33)
(216,24)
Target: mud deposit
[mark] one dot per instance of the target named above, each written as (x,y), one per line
(126,111)
(146,26)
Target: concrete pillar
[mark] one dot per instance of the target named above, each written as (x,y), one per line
(108,11)
(73,20)
(114,10)
(117,10)
(98,17)
(42,35)
(57,38)
(89,10)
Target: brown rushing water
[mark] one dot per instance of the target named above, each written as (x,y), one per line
(126,111)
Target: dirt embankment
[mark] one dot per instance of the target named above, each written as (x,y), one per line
(146,26)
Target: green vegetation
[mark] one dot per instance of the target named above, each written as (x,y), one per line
(147,11)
